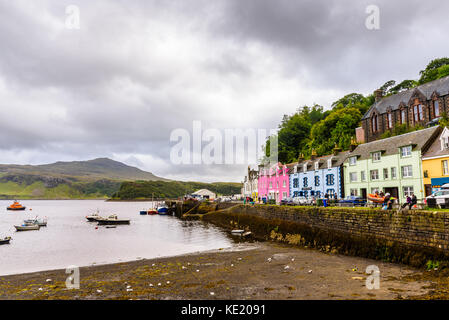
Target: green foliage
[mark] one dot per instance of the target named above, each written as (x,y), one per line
(444,120)
(431,265)
(172,189)
(404,85)
(433,70)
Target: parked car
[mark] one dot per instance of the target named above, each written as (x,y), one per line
(287,202)
(354,200)
(440,197)
(302,201)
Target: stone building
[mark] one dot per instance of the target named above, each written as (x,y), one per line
(422,105)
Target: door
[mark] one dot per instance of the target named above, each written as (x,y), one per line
(363,193)
(428,189)
(394,192)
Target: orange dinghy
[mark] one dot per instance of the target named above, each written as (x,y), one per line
(375,198)
(16,206)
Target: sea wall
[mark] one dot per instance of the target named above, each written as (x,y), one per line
(410,237)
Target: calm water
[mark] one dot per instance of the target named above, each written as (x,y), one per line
(70,240)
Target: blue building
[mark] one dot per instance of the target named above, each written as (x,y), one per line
(318,176)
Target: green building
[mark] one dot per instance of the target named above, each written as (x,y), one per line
(391,165)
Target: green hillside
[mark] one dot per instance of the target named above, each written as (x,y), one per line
(172,189)
(99,178)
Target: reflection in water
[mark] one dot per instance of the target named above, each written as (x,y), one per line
(70,240)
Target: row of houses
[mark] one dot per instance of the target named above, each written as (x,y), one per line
(412,163)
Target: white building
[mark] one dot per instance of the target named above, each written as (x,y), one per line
(204,194)
(250,183)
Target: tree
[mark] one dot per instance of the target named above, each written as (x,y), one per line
(387,85)
(430,73)
(404,85)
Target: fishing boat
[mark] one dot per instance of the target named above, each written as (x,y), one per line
(93,217)
(27,227)
(16,206)
(151,211)
(5,240)
(39,222)
(112,220)
(375,198)
(162,210)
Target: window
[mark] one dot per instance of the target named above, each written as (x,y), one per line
(330,179)
(393,173)
(306,194)
(363,176)
(407,171)
(277,184)
(295,194)
(271,185)
(284,184)
(445,167)
(408,191)
(353,176)
(305,167)
(406,151)
(389,121)
(385,173)
(376,156)
(403,116)
(318,194)
(295,183)
(418,113)
(374,123)
(305,182)
(317,165)
(374,190)
(317,181)
(284,195)
(296,169)
(330,191)
(374,174)
(353,192)
(352,161)
(329,163)
(436,108)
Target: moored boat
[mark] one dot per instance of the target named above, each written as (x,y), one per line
(27,227)
(5,240)
(39,222)
(93,217)
(375,198)
(16,206)
(112,220)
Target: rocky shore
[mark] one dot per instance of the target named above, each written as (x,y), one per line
(249,271)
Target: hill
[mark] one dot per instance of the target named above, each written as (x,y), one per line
(98,178)
(172,189)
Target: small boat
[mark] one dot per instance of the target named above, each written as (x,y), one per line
(237,232)
(112,220)
(93,217)
(375,198)
(152,212)
(39,222)
(162,210)
(27,227)
(143,212)
(5,240)
(16,206)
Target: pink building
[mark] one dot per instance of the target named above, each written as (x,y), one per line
(273,182)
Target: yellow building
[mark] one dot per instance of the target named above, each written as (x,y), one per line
(435,163)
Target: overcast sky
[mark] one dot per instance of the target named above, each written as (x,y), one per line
(135,70)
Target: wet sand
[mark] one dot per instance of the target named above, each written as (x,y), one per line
(250,271)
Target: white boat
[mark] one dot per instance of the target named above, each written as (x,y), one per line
(112,220)
(39,222)
(27,227)
(94,217)
(238,232)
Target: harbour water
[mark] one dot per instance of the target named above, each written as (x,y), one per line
(70,240)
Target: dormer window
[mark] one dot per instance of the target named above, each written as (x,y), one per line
(329,163)
(296,169)
(376,156)
(317,166)
(352,161)
(305,167)
(406,151)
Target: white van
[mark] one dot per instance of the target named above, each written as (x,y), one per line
(440,196)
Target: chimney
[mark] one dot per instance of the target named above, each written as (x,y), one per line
(336,150)
(378,94)
(353,145)
(313,155)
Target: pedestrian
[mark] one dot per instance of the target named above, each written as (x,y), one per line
(386,202)
(413,202)
(335,196)
(407,203)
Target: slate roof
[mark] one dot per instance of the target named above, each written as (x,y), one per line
(440,86)
(421,140)
(435,149)
(337,161)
